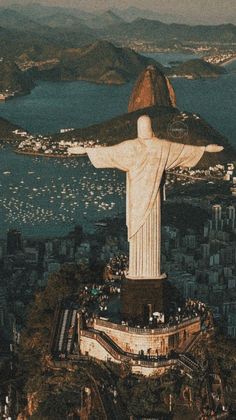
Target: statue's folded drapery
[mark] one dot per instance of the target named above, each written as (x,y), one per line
(145,161)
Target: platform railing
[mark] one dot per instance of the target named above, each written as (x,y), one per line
(159,330)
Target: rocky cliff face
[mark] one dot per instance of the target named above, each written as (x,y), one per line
(152,88)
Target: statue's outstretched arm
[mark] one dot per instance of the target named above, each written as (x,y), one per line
(188,156)
(76,150)
(210,148)
(120,156)
(214,148)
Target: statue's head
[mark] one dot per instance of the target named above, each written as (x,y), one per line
(145,128)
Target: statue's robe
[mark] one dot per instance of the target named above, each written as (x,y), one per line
(145,162)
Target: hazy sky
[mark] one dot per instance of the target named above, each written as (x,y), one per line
(209,11)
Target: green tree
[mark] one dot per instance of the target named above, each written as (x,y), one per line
(53,408)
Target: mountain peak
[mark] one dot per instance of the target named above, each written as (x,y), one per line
(110,17)
(109,12)
(152,88)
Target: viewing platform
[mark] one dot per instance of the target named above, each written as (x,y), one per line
(148,351)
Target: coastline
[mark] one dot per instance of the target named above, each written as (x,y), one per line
(9,97)
(194,77)
(231,60)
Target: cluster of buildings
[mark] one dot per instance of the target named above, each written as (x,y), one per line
(203,266)
(25,267)
(45,145)
(6,95)
(26,264)
(29,64)
(220,58)
(200,265)
(212,174)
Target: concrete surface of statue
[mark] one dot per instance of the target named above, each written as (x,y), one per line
(145,159)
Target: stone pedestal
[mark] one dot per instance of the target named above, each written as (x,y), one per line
(140,298)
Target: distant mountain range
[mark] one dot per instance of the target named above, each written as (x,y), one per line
(77,44)
(132,13)
(144,30)
(103,20)
(58,17)
(70,27)
(14,20)
(103,62)
(99,62)
(36,11)
(63,20)
(182,15)
(210,17)
(42,35)
(53,16)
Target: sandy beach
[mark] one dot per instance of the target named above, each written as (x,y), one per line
(231,60)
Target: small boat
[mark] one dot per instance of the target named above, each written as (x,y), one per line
(102,224)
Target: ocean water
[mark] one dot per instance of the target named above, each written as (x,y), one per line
(213,99)
(52,105)
(48,197)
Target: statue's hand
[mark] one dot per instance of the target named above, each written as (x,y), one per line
(77,150)
(214,148)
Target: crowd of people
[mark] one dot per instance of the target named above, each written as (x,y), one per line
(191,309)
(94,301)
(118,266)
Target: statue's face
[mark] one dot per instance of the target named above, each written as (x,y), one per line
(145,128)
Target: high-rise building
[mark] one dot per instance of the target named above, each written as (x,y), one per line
(14,241)
(3,307)
(228,255)
(216,212)
(205,250)
(217,217)
(214,259)
(230,211)
(189,241)
(190,289)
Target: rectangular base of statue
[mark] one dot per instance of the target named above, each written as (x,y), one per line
(141,298)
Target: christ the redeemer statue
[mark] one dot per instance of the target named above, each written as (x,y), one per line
(144,159)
